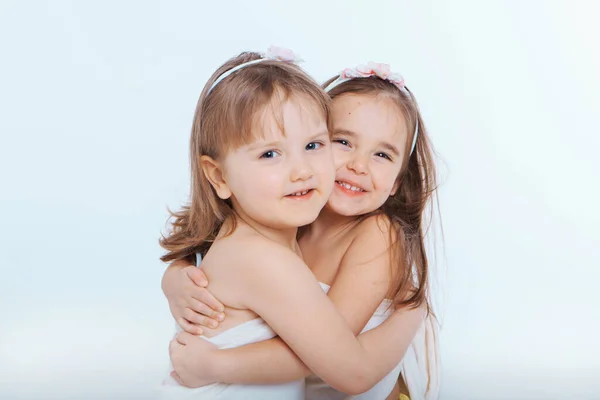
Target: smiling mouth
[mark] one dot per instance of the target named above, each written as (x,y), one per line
(350,187)
(301,194)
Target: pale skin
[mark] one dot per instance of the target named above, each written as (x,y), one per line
(369,139)
(257,268)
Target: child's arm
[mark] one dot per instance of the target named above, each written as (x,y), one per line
(365,273)
(291,301)
(190,303)
(360,285)
(199,363)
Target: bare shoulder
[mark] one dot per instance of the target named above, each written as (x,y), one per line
(250,252)
(243,266)
(260,272)
(375,242)
(378,230)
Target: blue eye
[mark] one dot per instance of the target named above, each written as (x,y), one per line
(383,155)
(269,154)
(313,145)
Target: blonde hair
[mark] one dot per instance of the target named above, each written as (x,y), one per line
(224,119)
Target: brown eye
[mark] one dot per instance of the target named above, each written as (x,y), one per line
(342,142)
(383,155)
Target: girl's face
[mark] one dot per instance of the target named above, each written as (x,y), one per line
(369,141)
(284,177)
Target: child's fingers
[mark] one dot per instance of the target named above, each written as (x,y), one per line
(173,345)
(183,338)
(204,309)
(197,276)
(176,377)
(189,327)
(199,319)
(204,296)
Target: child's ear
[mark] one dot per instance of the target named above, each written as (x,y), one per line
(214,173)
(395,187)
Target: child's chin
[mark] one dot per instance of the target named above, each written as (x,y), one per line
(306,218)
(293,221)
(306,221)
(342,210)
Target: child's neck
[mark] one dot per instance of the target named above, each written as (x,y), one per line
(330,223)
(284,237)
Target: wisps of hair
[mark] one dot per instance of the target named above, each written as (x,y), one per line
(405,209)
(225,119)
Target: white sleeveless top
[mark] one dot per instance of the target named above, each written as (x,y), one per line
(317,389)
(255,330)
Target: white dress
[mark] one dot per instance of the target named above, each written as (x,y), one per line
(317,389)
(252,331)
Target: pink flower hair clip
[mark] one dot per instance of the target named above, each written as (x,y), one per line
(281,54)
(274,53)
(379,70)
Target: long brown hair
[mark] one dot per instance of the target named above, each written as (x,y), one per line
(405,208)
(224,119)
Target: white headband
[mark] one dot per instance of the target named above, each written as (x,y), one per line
(381,71)
(274,53)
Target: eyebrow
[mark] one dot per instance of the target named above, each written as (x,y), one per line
(391,148)
(261,145)
(318,135)
(345,132)
(278,142)
(388,146)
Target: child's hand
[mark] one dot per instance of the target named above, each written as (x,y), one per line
(191,359)
(191,304)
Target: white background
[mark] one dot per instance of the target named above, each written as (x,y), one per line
(96,104)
